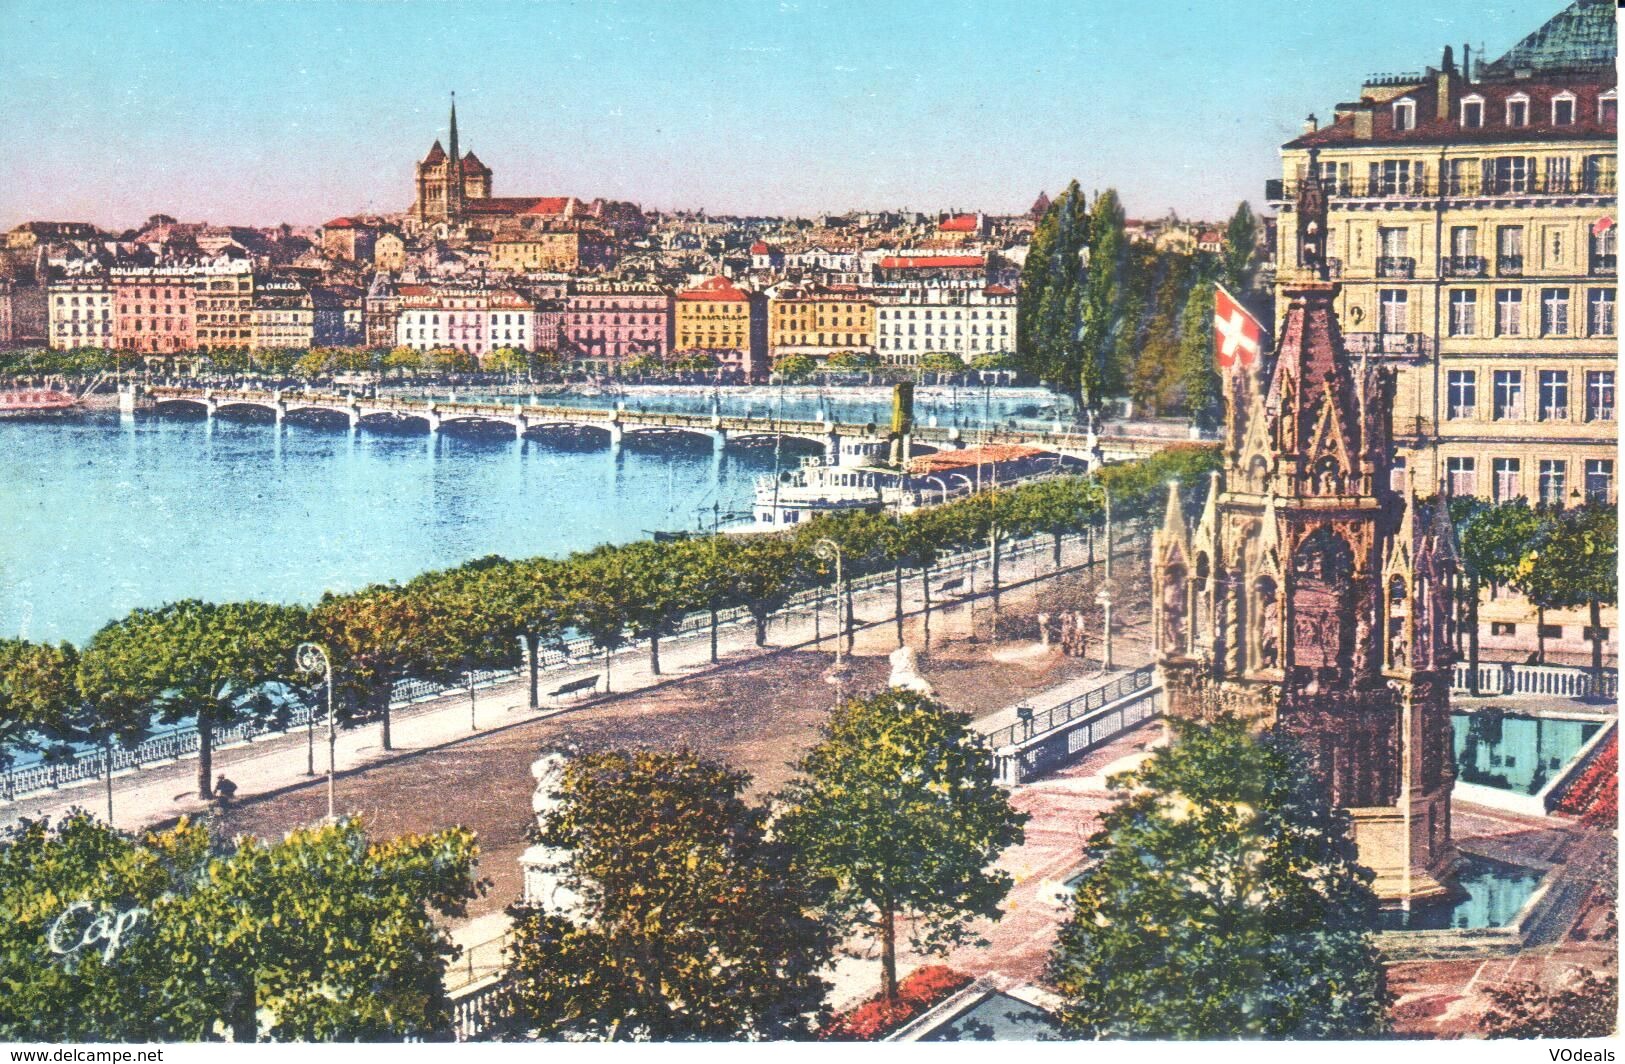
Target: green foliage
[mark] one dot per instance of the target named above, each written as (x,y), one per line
(1223,901)
(1050,308)
(1240,247)
(1198,368)
(1103,293)
(844,360)
(994,360)
(75,362)
(795,367)
(694,362)
(37,691)
(1574,561)
(194,658)
(941,362)
(376,636)
(897,814)
(1585,1006)
(322,936)
(405,360)
(645,365)
(693,922)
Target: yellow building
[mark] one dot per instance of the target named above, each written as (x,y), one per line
(719,317)
(1471,227)
(820,320)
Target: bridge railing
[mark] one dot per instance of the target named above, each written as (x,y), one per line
(1131,702)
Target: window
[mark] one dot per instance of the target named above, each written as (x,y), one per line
(1553,473)
(1600,312)
(1508,312)
(1608,108)
(1508,394)
(1563,109)
(1601,172)
(1460,476)
(1599,479)
(1601,634)
(1472,112)
(1461,177)
(1518,110)
(1508,173)
(1509,249)
(1395,177)
(1554,312)
(1507,474)
(1395,310)
(1463,312)
(1464,242)
(1404,115)
(1503,628)
(1554,394)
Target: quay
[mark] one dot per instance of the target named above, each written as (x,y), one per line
(617,424)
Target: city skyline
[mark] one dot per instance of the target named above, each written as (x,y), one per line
(258,114)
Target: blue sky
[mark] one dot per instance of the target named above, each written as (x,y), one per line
(261,111)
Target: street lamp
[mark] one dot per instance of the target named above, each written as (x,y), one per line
(312,658)
(827,550)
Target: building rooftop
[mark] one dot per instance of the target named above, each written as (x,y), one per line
(1580,37)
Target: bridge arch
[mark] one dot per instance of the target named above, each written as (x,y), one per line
(237,408)
(178,405)
(394,421)
(317,416)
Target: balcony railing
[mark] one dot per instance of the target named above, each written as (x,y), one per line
(1605,265)
(1394,266)
(1509,265)
(1605,184)
(1464,266)
(1554,413)
(1394,344)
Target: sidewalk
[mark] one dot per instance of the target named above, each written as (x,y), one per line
(157,795)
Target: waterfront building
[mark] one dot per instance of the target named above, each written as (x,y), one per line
(283,315)
(964,322)
(380,312)
(921,269)
(80,312)
(224,304)
(819,320)
(511,321)
(471,318)
(727,321)
(606,324)
(1472,227)
(153,309)
(338,315)
(1313,598)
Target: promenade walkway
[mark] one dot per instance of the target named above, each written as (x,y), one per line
(159,794)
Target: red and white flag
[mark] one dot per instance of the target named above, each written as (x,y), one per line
(1602,225)
(1238,337)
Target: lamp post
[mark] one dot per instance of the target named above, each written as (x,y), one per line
(312,658)
(1105,596)
(828,550)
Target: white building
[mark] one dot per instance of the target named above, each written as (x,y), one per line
(475,320)
(966,322)
(79,312)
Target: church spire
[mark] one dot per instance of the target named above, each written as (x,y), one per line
(454,169)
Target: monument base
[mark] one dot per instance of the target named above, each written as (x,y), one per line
(1405,873)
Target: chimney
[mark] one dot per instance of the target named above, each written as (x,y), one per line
(1442,105)
(1362,123)
(1311,124)
(1466,63)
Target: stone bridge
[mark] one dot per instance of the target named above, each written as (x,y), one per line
(617,424)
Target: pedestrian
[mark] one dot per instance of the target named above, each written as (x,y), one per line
(224,789)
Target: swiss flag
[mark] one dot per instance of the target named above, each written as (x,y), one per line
(1238,337)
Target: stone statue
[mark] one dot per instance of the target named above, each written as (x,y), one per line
(543,866)
(905,673)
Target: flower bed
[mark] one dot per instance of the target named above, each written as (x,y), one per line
(876,1018)
(1593,795)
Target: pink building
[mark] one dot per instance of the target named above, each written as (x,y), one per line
(614,323)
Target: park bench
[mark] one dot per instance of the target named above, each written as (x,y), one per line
(949,586)
(575,687)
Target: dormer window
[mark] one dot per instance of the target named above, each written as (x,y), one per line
(1518,110)
(1563,109)
(1472,112)
(1608,108)
(1404,115)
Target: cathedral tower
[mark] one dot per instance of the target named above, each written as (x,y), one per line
(1312,597)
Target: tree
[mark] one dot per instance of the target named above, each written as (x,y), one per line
(1198,367)
(851,360)
(506,361)
(377,636)
(897,815)
(763,572)
(321,936)
(1223,900)
(1049,310)
(1239,248)
(794,367)
(1575,562)
(316,362)
(692,922)
(1102,294)
(527,602)
(645,365)
(1491,541)
(941,362)
(403,360)
(1586,1005)
(196,659)
(36,690)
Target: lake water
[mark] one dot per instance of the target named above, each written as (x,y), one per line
(99,515)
